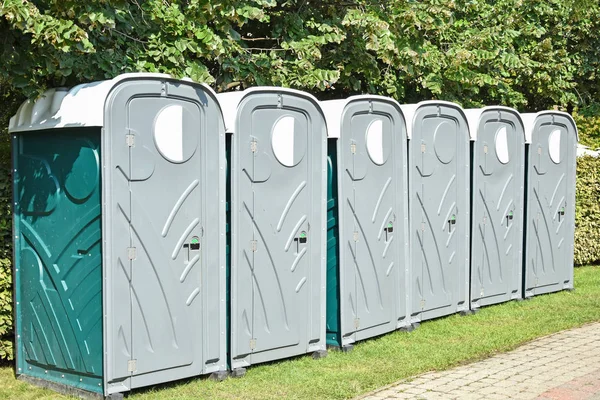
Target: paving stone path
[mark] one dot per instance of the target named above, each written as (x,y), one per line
(563,366)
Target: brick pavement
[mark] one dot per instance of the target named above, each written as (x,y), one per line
(562,366)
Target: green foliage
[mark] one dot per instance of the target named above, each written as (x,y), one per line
(527,54)
(8,106)
(587,211)
(589,129)
(6,314)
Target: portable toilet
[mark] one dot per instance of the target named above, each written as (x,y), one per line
(438,158)
(498,181)
(278,172)
(550,218)
(367,274)
(119,234)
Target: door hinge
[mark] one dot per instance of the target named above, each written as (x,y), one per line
(131,365)
(422,304)
(131,253)
(484,219)
(253,245)
(353,148)
(252,344)
(254,146)
(423,148)
(485,148)
(355,236)
(356,323)
(130,140)
(422,226)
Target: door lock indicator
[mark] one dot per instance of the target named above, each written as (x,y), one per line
(195,243)
(390,227)
(451,221)
(302,237)
(509,218)
(561,213)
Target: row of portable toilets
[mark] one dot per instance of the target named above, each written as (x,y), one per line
(349,219)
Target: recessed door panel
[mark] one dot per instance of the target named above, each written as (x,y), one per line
(276,238)
(497,209)
(550,219)
(370,257)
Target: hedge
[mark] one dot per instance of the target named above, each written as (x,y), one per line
(587,231)
(6,327)
(587,211)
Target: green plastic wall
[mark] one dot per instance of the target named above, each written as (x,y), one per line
(58,256)
(333,275)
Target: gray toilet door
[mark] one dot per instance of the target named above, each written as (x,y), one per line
(370,256)
(497,208)
(277,202)
(439,214)
(551,168)
(157,232)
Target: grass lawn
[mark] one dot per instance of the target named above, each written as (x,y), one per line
(436,345)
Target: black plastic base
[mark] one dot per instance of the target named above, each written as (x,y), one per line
(570,289)
(410,327)
(237,373)
(317,355)
(218,376)
(344,349)
(465,313)
(66,389)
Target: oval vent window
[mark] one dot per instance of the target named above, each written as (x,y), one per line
(554,145)
(502,145)
(168,133)
(375,141)
(283,141)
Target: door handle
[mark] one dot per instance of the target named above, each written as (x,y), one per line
(193,245)
(561,213)
(300,239)
(186,249)
(451,221)
(388,229)
(509,218)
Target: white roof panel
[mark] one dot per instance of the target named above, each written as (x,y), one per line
(83,105)
(333,110)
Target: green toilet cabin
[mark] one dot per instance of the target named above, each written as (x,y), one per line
(367,219)
(119,234)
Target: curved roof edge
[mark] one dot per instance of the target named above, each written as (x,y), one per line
(529,122)
(80,106)
(230,101)
(333,110)
(474,114)
(409,111)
